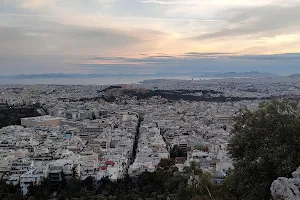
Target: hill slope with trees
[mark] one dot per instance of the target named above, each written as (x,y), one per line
(264,146)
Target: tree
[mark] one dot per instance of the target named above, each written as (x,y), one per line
(176,151)
(9,191)
(41,191)
(88,183)
(166,182)
(166,163)
(264,146)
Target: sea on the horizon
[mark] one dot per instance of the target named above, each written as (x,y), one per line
(88,81)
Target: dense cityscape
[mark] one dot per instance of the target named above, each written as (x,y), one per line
(117,131)
(149,100)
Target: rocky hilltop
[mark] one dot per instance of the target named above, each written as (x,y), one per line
(287,188)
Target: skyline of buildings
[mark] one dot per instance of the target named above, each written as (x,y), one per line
(84,135)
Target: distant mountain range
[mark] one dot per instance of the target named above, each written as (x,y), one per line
(160,74)
(62,75)
(252,74)
(294,76)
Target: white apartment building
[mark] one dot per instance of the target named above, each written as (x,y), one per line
(33,176)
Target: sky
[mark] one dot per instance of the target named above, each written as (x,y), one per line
(149,36)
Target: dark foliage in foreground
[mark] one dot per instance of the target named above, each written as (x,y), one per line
(165,183)
(265,146)
(9,192)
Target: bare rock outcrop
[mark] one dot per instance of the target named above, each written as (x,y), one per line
(287,188)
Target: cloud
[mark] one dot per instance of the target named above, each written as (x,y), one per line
(35,3)
(267,21)
(208,54)
(170,2)
(277,63)
(197,2)
(128,34)
(194,57)
(40,36)
(274,57)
